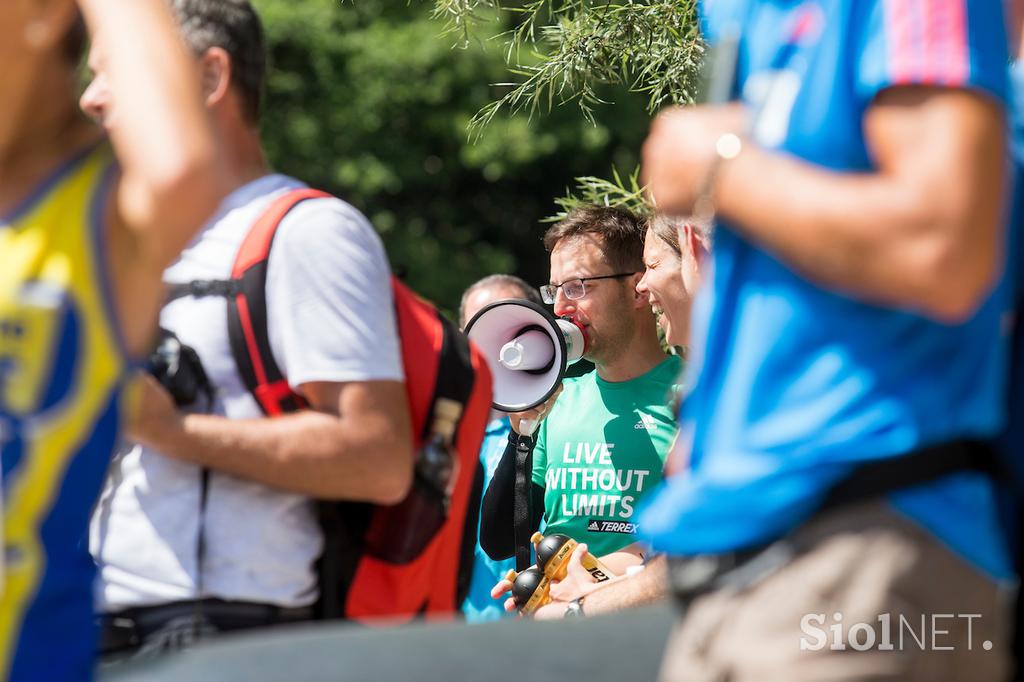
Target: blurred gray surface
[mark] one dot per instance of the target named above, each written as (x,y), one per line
(623,646)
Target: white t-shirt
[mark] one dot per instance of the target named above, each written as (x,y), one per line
(331,318)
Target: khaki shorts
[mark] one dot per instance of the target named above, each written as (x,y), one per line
(868,596)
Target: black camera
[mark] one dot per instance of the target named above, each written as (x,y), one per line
(179,370)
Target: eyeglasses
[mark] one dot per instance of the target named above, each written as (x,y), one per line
(574,289)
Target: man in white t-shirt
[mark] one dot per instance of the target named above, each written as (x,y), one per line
(207,521)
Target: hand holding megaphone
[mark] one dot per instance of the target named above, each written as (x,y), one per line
(526,423)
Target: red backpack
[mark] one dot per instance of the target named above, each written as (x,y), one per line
(413,558)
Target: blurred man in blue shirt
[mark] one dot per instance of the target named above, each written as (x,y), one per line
(853,319)
(479,606)
(1012,440)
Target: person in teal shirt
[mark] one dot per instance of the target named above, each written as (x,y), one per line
(604,444)
(601,449)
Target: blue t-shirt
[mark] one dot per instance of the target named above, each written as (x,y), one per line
(798,382)
(1012,441)
(479,606)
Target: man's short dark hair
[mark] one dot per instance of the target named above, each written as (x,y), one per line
(499,281)
(233,26)
(621,232)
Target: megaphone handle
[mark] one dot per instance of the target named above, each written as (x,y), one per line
(527,427)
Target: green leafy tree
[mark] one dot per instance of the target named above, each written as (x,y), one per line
(369,100)
(574,50)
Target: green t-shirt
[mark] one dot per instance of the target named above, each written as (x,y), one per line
(601,449)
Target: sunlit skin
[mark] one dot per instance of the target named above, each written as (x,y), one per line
(170,177)
(240,147)
(664,287)
(39,122)
(621,338)
(694,248)
(96,100)
(602,312)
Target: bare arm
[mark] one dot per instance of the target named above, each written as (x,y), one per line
(624,592)
(622,560)
(646,587)
(921,232)
(621,592)
(354,444)
(171,178)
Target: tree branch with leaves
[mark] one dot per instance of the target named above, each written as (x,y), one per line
(565,51)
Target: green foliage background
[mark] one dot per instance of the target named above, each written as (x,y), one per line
(372,100)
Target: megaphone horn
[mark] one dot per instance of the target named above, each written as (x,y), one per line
(527,350)
(530,351)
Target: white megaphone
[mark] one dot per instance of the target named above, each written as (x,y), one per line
(527,349)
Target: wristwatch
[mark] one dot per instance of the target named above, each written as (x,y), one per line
(727,147)
(574,609)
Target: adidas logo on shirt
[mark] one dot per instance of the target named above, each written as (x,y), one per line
(647,423)
(599,526)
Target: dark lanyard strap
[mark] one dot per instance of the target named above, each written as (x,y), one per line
(521,529)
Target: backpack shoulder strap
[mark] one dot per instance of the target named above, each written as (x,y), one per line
(247,310)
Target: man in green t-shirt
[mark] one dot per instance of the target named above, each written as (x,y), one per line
(603,445)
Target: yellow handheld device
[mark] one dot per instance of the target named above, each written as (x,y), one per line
(530,588)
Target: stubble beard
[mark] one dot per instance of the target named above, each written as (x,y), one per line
(613,341)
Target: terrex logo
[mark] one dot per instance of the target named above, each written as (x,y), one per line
(600,526)
(647,423)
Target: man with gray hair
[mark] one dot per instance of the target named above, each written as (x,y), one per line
(494,288)
(207,521)
(478,605)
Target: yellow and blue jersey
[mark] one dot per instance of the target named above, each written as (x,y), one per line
(62,363)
